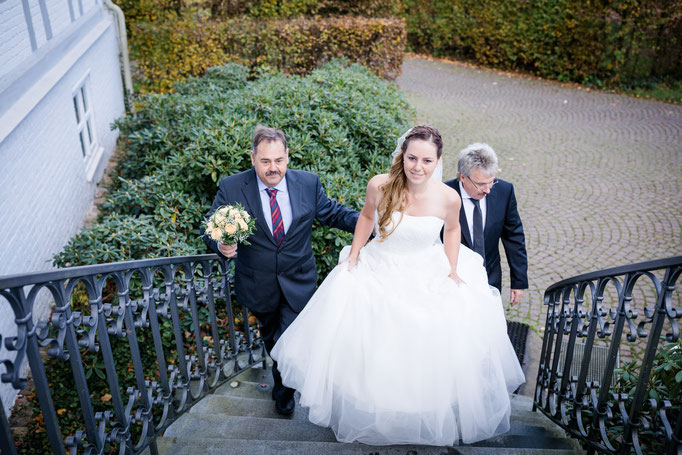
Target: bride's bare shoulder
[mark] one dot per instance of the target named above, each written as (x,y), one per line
(378,180)
(449,194)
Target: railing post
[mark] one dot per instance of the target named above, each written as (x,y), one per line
(6,440)
(27,336)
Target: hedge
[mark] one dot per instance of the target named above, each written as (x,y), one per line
(612,42)
(170,50)
(341,122)
(293,8)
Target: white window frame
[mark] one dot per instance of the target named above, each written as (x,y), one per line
(84,115)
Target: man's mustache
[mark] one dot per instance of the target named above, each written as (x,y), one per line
(269,173)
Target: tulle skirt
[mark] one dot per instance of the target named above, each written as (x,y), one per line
(395,352)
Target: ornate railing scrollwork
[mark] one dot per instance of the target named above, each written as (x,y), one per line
(626,311)
(143,342)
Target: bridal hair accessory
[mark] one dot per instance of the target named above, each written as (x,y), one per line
(437,173)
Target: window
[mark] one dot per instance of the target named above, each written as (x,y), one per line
(85,119)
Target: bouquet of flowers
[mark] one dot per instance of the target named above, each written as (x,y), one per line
(230,224)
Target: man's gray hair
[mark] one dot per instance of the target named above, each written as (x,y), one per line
(477,156)
(264,133)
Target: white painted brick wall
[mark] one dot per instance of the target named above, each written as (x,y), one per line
(60,18)
(15,45)
(38,25)
(44,194)
(89,4)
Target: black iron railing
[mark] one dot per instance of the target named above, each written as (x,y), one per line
(615,310)
(158,334)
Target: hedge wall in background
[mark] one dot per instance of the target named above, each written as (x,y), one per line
(292,8)
(170,50)
(601,42)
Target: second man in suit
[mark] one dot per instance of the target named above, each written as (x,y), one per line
(488,215)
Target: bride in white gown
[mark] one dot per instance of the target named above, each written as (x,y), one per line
(404,342)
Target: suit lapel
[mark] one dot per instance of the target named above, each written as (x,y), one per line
(295,192)
(250,191)
(463,225)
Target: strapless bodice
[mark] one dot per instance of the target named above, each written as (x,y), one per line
(412,232)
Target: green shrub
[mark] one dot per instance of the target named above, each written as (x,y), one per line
(341,122)
(149,10)
(292,8)
(168,51)
(601,43)
(665,384)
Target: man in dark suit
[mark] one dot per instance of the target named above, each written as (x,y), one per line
(275,275)
(488,215)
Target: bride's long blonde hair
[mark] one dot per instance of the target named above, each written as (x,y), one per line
(394,191)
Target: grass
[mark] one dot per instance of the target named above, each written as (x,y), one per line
(666,90)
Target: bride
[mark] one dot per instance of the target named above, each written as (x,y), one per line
(404,342)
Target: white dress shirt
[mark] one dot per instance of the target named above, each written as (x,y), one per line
(469,209)
(282,200)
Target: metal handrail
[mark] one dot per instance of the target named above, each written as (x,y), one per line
(178,298)
(606,421)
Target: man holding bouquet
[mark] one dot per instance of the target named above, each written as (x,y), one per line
(275,272)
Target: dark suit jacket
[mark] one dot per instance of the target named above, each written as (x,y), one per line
(502,222)
(263,269)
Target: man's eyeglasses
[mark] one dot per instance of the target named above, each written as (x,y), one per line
(481,186)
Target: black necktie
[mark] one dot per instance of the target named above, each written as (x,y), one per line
(479,244)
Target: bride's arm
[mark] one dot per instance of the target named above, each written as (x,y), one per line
(365,224)
(452,235)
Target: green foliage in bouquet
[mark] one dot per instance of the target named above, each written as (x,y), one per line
(341,122)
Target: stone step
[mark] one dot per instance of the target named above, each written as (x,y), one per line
(219,446)
(277,429)
(250,407)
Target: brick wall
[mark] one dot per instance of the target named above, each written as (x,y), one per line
(44,194)
(14,41)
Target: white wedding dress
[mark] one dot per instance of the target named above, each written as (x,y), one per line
(395,352)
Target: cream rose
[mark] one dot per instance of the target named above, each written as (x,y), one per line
(234,213)
(230,228)
(215,234)
(242,224)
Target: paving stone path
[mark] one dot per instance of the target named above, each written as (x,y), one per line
(598,176)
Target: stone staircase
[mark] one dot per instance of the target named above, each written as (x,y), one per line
(240,418)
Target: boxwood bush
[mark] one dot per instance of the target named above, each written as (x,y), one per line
(341,122)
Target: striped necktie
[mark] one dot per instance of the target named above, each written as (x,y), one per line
(277,223)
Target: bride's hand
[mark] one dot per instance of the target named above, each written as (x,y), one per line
(352,262)
(456,278)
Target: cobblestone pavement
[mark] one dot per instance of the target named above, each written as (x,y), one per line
(598,176)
